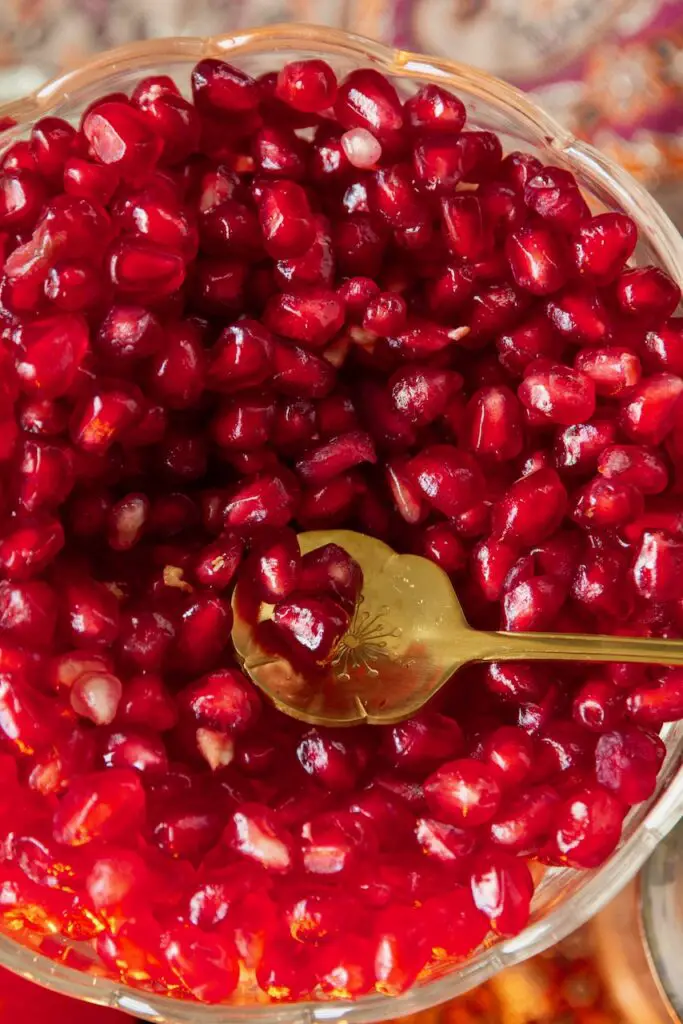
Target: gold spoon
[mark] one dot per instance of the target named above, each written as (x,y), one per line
(407,638)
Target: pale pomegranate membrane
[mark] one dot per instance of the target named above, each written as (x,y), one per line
(288,304)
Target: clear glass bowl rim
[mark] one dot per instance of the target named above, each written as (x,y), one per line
(596,172)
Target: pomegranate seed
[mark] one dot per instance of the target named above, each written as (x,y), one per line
(580,316)
(102,805)
(91,611)
(579,449)
(602,245)
(449,479)
(139,749)
(366,99)
(219,86)
(555,393)
(86,180)
(649,410)
(606,503)
(400,949)
(502,888)
(664,347)
(538,260)
(587,828)
(434,109)
(531,510)
(120,135)
(49,353)
(96,695)
(626,763)
(612,370)
(255,833)
(494,423)
(140,269)
(554,195)
(656,565)
(22,194)
(654,706)
(104,416)
(206,965)
(647,291)
(29,545)
(286,220)
(525,823)
(531,340)
(465,793)
(312,625)
(312,317)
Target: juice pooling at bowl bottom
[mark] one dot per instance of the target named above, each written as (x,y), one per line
(291,302)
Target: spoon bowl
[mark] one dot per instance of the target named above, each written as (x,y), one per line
(407,638)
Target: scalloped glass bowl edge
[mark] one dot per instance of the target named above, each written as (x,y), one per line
(566,899)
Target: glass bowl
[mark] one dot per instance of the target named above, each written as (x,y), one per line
(565,898)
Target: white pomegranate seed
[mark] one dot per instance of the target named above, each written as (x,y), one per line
(217,748)
(96,695)
(361,147)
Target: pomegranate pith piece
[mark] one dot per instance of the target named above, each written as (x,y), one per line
(261,307)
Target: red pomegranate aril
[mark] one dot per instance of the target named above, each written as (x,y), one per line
(335,456)
(400,949)
(139,749)
(313,626)
(556,393)
(311,316)
(275,562)
(449,479)
(663,347)
(502,888)
(524,823)
(120,135)
(267,499)
(653,706)
(365,99)
(657,564)
(606,504)
(22,194)
(102,805)
(52,141)
(530,340)
(554,195)
(580,317)
(649,410)
(286,220)
(307,85)
(627,762)
(146,702)
(647,291)
(537,259)
(117,876)
(421,392)
(533,604)
(597,706)
(434,109)
(511,752)
(465,793)
(103,417)
(49,353)
(612,370)
(602,245)
(87,180)
(203,632)
(220,86)
(494,423)
(579,448)
(586,828)
(331,569)
(467,233)
(531,510)
(27,546)
(206,965)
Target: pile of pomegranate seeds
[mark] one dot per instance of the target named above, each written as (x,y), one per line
(291,304)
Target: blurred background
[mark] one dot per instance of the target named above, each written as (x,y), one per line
(612,72)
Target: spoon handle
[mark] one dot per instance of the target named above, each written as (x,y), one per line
(575,647)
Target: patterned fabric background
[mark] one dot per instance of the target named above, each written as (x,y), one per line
(611,70)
